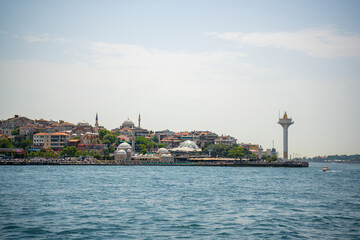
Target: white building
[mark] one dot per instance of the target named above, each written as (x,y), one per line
(51,141)
(41,140)
(123,152)
(226,140)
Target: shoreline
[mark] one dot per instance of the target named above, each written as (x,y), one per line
(94,162)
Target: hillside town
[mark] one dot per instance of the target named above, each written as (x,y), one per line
(23,137)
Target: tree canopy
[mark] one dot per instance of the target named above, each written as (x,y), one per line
(15,132)
(109,138)
(26,144)
(103,132)
(222,150)
(5,143)
(69,151)
(236,152)
(146,145)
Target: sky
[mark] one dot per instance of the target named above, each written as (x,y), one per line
(231,67)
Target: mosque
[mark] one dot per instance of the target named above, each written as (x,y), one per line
(126,152)
(123,154)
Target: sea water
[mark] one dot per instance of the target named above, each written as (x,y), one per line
(170,202)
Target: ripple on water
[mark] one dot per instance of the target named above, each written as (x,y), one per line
(87,202)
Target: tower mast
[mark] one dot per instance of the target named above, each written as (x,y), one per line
(285,122)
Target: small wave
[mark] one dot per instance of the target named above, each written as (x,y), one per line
(35,231)
(10,227)
(194,225)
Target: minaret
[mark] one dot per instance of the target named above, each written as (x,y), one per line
(96,124)
(133,139)
(285,122)
(139,120)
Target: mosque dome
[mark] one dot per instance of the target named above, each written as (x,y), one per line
(162,151)
(124,146)
(128,122)
(120,152)
(83,123)
(189,144)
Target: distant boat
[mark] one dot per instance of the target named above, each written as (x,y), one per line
(325,169)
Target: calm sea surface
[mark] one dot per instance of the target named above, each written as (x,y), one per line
(145,202)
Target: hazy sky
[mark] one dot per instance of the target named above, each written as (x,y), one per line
(223,66)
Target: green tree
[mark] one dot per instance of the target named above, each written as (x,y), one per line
(15,132)
(78,153)
(106,151)
(111,149)
(103,132)
(160,145)
(84,153)
(142,146)
(141,140)
(218,150)
(92,153)
(155,138)
(26,144)
(69,151)
(143,151)
(146,144)
(236,152)
(110,138)
(6,143)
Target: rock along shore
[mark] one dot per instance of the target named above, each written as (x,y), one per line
(219,163)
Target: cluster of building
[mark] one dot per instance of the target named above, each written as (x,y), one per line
(55,135)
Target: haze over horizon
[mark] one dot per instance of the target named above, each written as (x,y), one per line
(225,66)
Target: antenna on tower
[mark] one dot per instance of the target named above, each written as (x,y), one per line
(273,143)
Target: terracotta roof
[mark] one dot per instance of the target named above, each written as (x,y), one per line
(125,130)
(41,134)
(74,140)
(59,134)
(26,127)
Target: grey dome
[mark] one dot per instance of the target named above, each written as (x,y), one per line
(120,152)
(124,146)
(83,123)
(189,144)
(162,151)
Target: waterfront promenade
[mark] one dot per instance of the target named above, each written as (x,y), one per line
(218,162)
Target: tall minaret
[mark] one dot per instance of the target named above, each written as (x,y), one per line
(285,122)
(96,124)
(133,139)
(139,120)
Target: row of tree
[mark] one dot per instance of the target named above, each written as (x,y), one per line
(7,143)
(145,145)
(221,150)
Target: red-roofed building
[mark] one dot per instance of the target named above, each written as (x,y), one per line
(53,141)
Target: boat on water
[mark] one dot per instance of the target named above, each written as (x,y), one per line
(325,169)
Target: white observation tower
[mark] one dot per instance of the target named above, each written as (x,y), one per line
(285,122)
